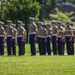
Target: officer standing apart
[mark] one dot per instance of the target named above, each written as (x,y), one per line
(43,39)
(49,35)
(10,33)
(24,39)
(2,36)
(69,34)
(14,39)
(33,33)
(39,36)
(54,36)
(20,35)
(60,38)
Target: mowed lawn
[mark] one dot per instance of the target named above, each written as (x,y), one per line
(36,65)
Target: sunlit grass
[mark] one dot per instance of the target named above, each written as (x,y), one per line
(36,65)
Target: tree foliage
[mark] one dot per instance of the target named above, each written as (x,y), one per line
(46,7)
(59,15)
(49,7)
(20,10)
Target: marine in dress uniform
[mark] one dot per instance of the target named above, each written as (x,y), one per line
(69,33)
(20,34)
(39,36)
(32,34)
(49,35)
(24,40)
(10,32)
(54,36)
(14,39)
(2,35)
(43,39)
(60,38)
(72,41)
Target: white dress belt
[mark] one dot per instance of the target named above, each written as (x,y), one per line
(33,33)
(39,36)
(68,35)
(19,35)
(59,36)
(43,36)
(1,35)
(9,35)
(48,36)
(54,34)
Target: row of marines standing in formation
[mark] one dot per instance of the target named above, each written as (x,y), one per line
(11,35)
(56,34)
(44,33)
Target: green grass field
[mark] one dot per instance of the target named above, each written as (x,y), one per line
(36,65)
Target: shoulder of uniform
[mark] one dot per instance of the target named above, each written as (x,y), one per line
(50,28)
(61,28)
(22,27)
(45,29)
(70,27)
(35,25)
(24,30)
(11,27)
(15,29)
(3,28)
(73,27)
(64,29)
(55,27)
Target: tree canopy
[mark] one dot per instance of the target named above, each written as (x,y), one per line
(19,10)
(60,16)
